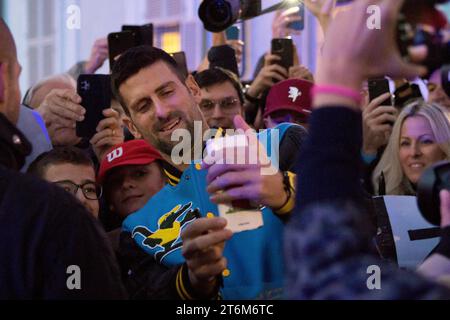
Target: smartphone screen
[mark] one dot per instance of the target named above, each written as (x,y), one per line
(95,92)
(284,48)
(233,33)
(144,34)
(378,87)
(299,25)
(118,43)
(180,58)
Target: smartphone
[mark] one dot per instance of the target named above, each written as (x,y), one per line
(143,34)
(405,93)
(378,87)
(95,92)
(299,25)
(118,43)
(285,49)
(233,33)
(224,57)
(180,58)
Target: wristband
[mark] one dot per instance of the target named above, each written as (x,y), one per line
(289,187)
(339,91)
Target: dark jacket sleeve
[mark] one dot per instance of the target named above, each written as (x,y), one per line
(51,248)
(328,247)
(291,147)
(329,165)
(14,146)
(76,239)
(146,279)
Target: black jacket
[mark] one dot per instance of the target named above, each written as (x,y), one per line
(47,238)
(144,278)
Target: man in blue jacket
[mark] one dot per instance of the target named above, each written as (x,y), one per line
(188,249)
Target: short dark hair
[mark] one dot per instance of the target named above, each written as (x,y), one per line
(59,155)
(210,77)
(133,61)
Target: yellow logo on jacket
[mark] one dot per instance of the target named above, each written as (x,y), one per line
(166,238)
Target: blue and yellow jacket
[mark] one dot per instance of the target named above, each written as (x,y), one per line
(255,258)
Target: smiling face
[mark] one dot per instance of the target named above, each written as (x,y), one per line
(129,188)
(159,103)
(418,147)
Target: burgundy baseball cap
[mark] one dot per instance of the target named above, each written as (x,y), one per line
(292,95)
(135,152)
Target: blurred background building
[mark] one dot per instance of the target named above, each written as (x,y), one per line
(49,41)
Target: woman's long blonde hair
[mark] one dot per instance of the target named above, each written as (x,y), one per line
(395,180)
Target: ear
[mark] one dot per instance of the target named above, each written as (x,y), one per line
(194,88)
(132,127)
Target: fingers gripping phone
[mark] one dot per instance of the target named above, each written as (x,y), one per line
(284,48)
(299,25)
(95,92)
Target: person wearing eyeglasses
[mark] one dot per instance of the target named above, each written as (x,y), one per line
(222,97)
(73,170)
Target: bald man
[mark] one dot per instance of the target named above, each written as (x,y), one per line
(51,248)
(28,122)
(10,71)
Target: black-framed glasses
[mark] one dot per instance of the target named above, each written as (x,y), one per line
(227,104)
(91,191)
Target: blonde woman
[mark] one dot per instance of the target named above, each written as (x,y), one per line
(420,138)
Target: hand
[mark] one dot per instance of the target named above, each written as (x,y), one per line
(376,127)
(203,245)
(238,47)
(266,76)
(363,53)
(322,10)
(300,72)
(61,110)
(99,54)
(445,208)
(258,182)
(280,24)
(109,133)
(10,95)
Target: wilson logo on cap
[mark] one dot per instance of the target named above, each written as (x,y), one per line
(294,93)
(117,153)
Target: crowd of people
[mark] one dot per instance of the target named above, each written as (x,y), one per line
(141,224)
